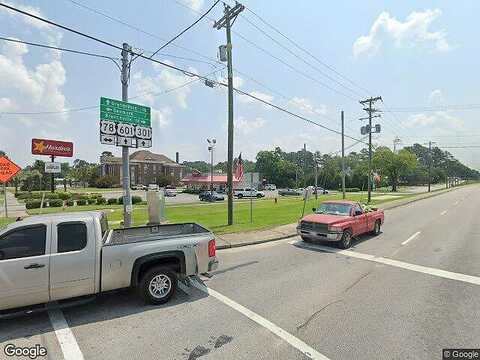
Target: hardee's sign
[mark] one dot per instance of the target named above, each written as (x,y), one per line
(52,147)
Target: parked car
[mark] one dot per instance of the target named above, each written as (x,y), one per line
(339,221)
(292,192)
(54,257)
(138,187)
(153,187)
(270,187)
(321,190)
(248,192)
(171,187)
(170,193)
(211,196)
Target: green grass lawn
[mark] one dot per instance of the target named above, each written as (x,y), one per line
(266,213)
(5,221)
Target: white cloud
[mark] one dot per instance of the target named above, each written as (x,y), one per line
(32,89)
(248,100)
(413,31)
(248,126)
(162,116)
(306,105)
(194,4)
(438,121)
(435,97)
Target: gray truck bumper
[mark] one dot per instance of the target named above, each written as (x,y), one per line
(319,236)
(213,265)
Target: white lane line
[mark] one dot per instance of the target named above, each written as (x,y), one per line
(443,212)
(304,348)
(411,238)
(475,280)
(68,343)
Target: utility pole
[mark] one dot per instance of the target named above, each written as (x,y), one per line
(127,200)
(230,14)
(316,174)
(304,165)
(430,164)
(370,110)
(52,186)
(343,155)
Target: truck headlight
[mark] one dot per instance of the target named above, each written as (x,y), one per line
(335,229)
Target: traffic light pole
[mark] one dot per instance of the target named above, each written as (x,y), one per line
(127,200)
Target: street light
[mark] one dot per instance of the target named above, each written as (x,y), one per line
(211,146)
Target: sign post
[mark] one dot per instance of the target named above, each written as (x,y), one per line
(127,125)
(52,148)
(8,169)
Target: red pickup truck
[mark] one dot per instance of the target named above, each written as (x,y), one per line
(339,221)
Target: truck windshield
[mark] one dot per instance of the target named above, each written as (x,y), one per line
(334,209)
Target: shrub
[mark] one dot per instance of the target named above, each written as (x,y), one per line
(64,195)
(33,204)
(105,181)
(51,196)
(112,201)
(81,202)
(353,189)
(69,202)
(120,200)
(136,199)
(24,196)
(101,201)
(20,193)
(55,203)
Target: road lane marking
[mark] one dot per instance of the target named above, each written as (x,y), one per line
(475,280)
(304,348)
(411,238)
(68,343)
(443,212)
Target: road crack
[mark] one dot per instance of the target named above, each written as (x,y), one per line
(357,281)
(311,317)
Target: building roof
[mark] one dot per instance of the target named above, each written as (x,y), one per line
(202,179)
(144,156)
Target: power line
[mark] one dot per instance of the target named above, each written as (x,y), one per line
(58,48)
(185,72)
(460,107)
(186,29)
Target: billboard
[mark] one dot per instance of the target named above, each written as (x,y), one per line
(52,147)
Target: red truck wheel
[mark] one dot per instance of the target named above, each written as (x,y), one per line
(346,240)
(376,228)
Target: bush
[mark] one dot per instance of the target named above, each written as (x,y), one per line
(101,201)
(192,191)
(105,182)
(81,202)
(51,196)
(20,193)
(353,189)
(136,199)
(64,195)
(24,196)
(120,200)
(33,204)
(70,203)
(55,203)
(112,201)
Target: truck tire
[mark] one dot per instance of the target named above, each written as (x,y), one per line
(306,239)
(259,196)
(239,196)
(376,228)
(346,240)
(158,285)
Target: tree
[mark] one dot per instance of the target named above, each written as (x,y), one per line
(392,165)
(84,172)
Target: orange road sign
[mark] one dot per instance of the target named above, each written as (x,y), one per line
(8,169)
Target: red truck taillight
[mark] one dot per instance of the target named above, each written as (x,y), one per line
(212,248)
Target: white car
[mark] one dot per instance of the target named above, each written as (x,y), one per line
(248,192)
(271,187)
(153,187)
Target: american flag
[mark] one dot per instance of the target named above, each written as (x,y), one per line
(239,167)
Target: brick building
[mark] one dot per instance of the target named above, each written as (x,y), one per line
(145,167)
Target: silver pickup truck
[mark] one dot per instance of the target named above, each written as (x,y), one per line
(47,258)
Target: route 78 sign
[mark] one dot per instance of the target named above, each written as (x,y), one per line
(125,124)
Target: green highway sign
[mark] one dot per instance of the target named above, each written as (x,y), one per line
(124,112)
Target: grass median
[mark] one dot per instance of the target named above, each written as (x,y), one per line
(266,213)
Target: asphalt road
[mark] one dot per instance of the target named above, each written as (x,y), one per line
(405,294)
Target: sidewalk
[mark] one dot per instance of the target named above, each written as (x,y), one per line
(14,208)
(233,240)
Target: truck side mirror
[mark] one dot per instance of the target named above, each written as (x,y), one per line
(358,212)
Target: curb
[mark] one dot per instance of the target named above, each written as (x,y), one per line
(256,242)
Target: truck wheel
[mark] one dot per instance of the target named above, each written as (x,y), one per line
(239,196)
(376,228)
(259,196)
(346,240)
(158,285)
(306,239)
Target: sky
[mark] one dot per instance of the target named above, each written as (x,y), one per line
(412,53)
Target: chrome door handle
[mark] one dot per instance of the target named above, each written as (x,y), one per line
(34,266)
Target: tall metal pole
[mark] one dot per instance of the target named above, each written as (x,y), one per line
(5,198)
(52,185)
(343,156)
(370,152)
(429,164)
(230,118)
(211,170)
(127,200)
(304,165)
(316,176)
